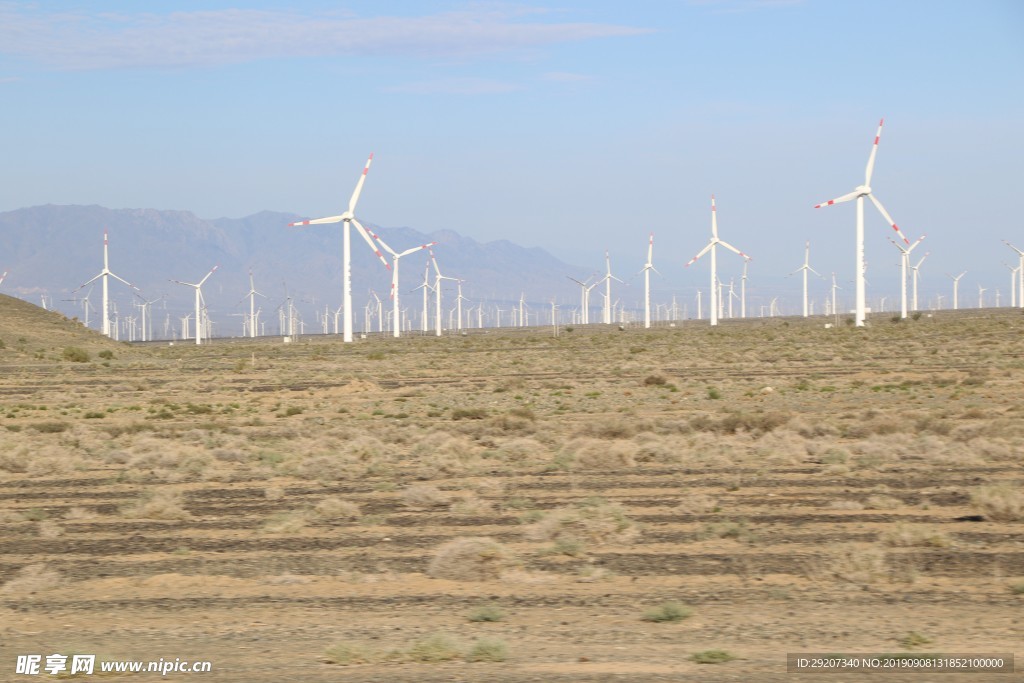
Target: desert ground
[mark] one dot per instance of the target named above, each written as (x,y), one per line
(677,504)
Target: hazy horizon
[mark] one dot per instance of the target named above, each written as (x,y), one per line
(571,126)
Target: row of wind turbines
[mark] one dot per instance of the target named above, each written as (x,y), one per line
(376,244)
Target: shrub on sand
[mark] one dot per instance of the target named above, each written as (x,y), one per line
(471,558)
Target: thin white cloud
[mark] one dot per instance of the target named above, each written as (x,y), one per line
(566,77)
(203,38)
(455,86)
(737,6)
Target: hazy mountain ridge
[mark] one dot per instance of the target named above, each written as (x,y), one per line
(53,249)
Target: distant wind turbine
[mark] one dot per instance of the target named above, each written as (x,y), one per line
(1020,278)
(395,258)
(252,294)
(712,247)
(648,267)
(804,268)
(859,193)
(199,298)
(104,274)
(916,270)
(956,288)
(904,265)
(349,218)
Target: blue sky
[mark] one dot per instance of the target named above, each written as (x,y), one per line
(575,126)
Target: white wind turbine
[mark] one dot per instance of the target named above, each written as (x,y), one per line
(584,299)
(859,193)
(1020,278)
(648,267)
(349,218)
(743,289)
(4,276)
(104,274)
(607,311)
(199,297)
(437,291)
(804,268)
(904,265)
(916,270)
(956,288)
(835,311)
(252,294)
(981,296)
(425,317)
(395,258)
(712,247)
(1013,283)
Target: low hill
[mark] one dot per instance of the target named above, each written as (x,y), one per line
(28,332)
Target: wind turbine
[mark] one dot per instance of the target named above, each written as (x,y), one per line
(349,218)
(648,267)
(916,269)
(981,296)
(712,247)
(199,296)
(395,257)
(437,291)
(956,287)
(835,311)
(806,267)
(426,288)
(584,298)
(606,309)
(105,273)
(859,193)
(1013,283)
(252,294)
(3,277)
(743,289)
(1020,278)
(904,264)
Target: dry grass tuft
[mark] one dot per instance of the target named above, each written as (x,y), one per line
(425,496)
(593,522)
(1001,503)
(162,504)
(33,578)
(595,454)
(909,535)
(471,559)
(333,508)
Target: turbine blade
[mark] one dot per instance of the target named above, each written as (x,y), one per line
(208,275)
(415,249)
(382,243)
(871,159)
(369,241)
(838,200)
(702,252)
(733,249)
(359,186)
(885,214)
(318,221)
(650,248)
(714,219)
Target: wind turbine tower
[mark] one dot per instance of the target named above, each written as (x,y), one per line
(956,287)
(347,219)
(104,274)
(806,267)
(1020,277)
(712,247)
(199,298)
(648,267)
(859,193)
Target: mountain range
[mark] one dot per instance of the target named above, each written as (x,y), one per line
(51,250)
